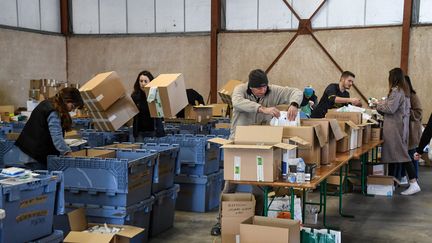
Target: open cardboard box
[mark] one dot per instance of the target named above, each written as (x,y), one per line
(200,113)
(257,229)
(381,185)
(99,153)
(102,91)
(236,207)
(350,141)
(78,224)
(255,154)
(332,133)
(220,110)
(355,117)
(225,93)
(315,138)
(171,95)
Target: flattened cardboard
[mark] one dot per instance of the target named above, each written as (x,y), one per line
(259,229)
(103,90)
(116,115)
(172,91)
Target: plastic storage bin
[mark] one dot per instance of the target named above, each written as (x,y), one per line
(162,216)
(30,207)
(94,138)
(167,165)
(82,123)
(136,215)
(55,237)
(199,193)
(120,181)
(5,146)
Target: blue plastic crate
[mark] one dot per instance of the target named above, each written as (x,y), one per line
(120,181)
(30,207)
(5,146)
(82,123)
(94,138)
(167,165)
(171,129)
(199,193)
(55,237)
(207,168)
(162,216)
(221,132)
(137,215)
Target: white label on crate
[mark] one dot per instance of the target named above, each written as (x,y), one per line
(260,168)
(99,97)
(208,145)
(237,165)
(112,118)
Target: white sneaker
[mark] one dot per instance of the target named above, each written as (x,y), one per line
(404,181)
(412,189)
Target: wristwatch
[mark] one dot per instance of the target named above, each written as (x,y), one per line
(294,104)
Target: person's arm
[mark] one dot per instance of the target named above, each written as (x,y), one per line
(416,111)
(288,95)
(426,136)
(391,104)
(55,129)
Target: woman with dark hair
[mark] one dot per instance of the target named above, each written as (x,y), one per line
(396,111)
(143,124)
(43,133)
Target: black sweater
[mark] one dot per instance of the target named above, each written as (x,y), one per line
(426,136)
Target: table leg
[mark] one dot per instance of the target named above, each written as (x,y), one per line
(266,206)
(292,203)
(341,185)
(303,205)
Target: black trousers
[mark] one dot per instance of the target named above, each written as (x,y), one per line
(408,166)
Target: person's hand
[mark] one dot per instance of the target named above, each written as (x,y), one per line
(292,113)
(311,103)
(356,102)
(273,111)
(417,156)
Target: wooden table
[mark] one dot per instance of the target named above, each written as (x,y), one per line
(322,173)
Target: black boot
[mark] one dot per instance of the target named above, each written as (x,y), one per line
(216,230)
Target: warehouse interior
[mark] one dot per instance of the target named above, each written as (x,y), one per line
(297,43)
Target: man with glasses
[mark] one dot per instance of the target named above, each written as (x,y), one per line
(336,96)
(255,103)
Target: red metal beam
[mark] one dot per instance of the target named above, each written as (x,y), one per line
(406,32)
(215,27)
(282,53)
(64,16)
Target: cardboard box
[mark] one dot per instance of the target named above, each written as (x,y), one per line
(315,138)
(5,118)
(255,154)
(380,185)
(100,153)
(35,83)
(332,133)
(355,117)
(225,93)
(376,134)
(12,136)
(367,132)
(102,91)
(124,146)
(236,207)
(7,109)
(259,229)
(49,91)
(360,136)
(376,169)
(200,113)
(350,141)
(220,110)
(170,96)
(115,116)
(78,224)
(73,134)
(223,125)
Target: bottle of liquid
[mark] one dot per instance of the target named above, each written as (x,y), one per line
(301,171)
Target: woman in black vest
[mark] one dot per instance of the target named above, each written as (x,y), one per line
(143,124)
(43,133)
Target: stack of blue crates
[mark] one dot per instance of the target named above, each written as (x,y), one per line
(5,146)
(82,123)
(30,207)
(55,237)
(199,160)
(163,211)
(100,138)
(112,190)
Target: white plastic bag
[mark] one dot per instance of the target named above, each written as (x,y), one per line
(283,120)
(284,204)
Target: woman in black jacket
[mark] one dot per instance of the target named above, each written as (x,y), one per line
(424,140)
(143,124)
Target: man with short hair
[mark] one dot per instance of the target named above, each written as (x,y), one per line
(255,103)
(336,96)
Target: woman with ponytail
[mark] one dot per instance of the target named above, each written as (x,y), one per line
(44,131)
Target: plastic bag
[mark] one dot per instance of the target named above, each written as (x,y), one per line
(283,120)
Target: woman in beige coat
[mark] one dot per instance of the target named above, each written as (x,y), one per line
(396,111)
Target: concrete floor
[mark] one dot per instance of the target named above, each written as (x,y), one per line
(377,219)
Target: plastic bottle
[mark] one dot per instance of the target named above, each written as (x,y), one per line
(301,171)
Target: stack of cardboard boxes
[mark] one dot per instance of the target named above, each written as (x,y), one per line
(106,99)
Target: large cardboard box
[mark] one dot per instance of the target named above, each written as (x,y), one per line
(380,185)
(314,135)
(350,141)
(115,116)
(259,229)
(236,207)
(223,125)
(255,154)
(355,117)
(7,109)
(225,93)
(220,110)
(103,90)
(100,153)
(79,225)
(376,134)
(360,136)
(200,113)
(332,133)
(169,95)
